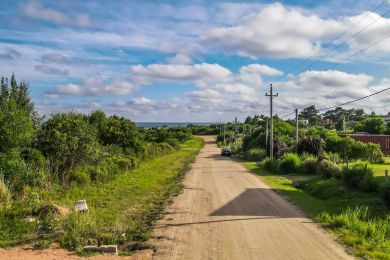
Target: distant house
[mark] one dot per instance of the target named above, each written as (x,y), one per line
(386,119)
(382,140)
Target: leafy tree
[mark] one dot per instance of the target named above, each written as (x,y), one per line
(68,141)
(123,132)
(248,120)
(371,125)
(312,114)
(16,128)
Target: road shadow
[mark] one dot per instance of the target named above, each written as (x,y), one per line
(257,202)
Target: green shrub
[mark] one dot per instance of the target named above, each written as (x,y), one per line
(309,165)
(328,169)
(311,144)
(385,194)
(289,163)
(256,154)
(360,176)
(5,194)
(124,164)
(77,230)
(271,164)
(81,176)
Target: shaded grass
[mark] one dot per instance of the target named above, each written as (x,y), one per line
(337,207)
(122,211)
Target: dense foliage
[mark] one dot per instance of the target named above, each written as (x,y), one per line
(70,147)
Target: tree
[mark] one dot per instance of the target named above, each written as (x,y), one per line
(311,114)
(123,132)
(16,129)
(248,120)
(68,141)
(371,125)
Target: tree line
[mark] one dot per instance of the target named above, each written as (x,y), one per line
(70,148)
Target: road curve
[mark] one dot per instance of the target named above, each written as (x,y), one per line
(225,212)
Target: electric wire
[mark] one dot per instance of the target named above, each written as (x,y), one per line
(336,38)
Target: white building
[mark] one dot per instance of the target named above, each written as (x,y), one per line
(386,119)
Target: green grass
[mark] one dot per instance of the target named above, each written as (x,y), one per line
(122,211)
(327,201)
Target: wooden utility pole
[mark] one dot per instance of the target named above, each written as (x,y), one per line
(266,134)
(296,128)
(271,140)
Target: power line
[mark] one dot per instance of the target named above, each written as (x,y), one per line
(352,101)
(345,41)
(345,59)
(288,114)
(336,38)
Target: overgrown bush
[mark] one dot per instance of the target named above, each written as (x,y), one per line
(360,176)
(311,144)
(385,194)
(271,164)
(289,163)
(328,169)
(154,149)
(256,154)
(309,165)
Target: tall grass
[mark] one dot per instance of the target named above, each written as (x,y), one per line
(367,233)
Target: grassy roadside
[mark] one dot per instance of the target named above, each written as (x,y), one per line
(358,219)
(122,211)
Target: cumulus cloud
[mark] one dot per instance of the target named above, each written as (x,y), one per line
(9,54)
(276,31)
(261,69)
(50,70)
(180,59)
(323,89)
(201,73)
(36,10)
(95,86)
(142,105)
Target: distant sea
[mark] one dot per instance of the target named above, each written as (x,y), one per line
(168,124)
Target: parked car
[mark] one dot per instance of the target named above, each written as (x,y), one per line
(226,151)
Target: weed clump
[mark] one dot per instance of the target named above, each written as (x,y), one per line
(360,176)
(256,154)
(290,163)
(328,169)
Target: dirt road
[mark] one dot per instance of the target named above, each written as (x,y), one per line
(225,212)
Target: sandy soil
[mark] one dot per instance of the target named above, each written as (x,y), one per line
(225,212)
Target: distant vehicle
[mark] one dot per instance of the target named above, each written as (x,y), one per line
(226,151)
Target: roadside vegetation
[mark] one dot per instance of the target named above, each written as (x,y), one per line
(125,174)
(337,181)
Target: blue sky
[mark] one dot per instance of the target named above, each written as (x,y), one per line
(195,60)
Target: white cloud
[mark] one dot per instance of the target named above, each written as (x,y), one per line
(180,59)
(323,89)
(95,86)
(261,69)
(35,9)
(200,73)
(276,31)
